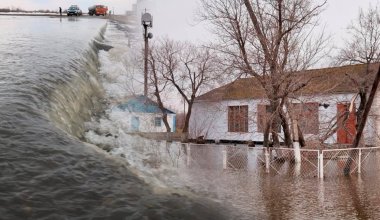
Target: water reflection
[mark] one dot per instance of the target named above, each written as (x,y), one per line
(71,18)
(237,177)
(359,197)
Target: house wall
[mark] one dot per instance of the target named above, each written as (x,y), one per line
(210,119)
(375,118)
(146,121)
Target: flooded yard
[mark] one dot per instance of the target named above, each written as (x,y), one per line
(236,176)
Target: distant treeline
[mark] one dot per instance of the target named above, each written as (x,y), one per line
(22,10)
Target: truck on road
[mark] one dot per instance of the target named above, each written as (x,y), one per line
(97,10)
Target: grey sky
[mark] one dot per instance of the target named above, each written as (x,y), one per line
(175,18)
(120,6)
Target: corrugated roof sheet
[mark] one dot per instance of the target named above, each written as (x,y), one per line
(141,104)
(335,80)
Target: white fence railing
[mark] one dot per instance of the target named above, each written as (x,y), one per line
(264,161)
(339,162)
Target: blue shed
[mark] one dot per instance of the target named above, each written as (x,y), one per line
(145,115)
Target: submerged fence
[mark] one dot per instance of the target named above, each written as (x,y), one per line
(258,160)
(267,161)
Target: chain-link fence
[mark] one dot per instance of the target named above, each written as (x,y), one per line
(340,162)
(282,161)
(289,162)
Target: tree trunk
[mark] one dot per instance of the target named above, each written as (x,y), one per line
(163,110)
(275,125)
(363,121)
(275,109)
(360,111)
(166,123)
(286,129)
(266,134)
(301,139)
(185,129)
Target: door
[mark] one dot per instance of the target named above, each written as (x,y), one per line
(346,124)
(135,123)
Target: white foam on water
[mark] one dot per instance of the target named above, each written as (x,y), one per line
(121,73)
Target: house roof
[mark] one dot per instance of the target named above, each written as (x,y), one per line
(334,80)
(141,104)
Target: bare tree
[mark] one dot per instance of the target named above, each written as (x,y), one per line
(269,40)
(188,68)
(363,47)
(157,71)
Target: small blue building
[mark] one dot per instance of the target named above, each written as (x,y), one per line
(144,115)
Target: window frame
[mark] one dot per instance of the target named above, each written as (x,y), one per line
(157,119)
(237,119)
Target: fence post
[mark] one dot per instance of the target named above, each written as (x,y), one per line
(188,156)
(267,160)
(224,153)
(320,165)
(360,161)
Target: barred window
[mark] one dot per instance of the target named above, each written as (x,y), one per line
(238,118)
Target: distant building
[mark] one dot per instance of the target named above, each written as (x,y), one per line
(238,111)
(143,115)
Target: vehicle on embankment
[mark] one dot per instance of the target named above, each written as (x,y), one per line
(74,10)
(97,10)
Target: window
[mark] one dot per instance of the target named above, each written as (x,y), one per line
(135,123)
(157,122)
(264,113)
(238,118)
(307,116)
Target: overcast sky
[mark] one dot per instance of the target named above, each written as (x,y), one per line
(120,6)
(175,18)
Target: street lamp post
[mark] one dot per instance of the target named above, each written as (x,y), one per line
(147,22)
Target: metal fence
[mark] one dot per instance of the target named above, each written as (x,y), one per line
(350,161)
(264,161)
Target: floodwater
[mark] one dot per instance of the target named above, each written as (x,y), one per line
(55,89)
(49,86)
(245,185)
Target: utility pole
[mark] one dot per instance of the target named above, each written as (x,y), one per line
(147,22)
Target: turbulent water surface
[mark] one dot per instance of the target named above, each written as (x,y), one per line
(49,86)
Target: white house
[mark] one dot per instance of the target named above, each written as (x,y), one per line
(143,115)
(238,110)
